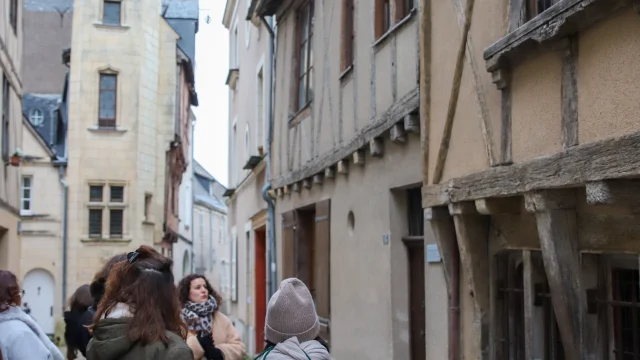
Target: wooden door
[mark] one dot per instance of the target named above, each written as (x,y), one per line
(260,286)
(416,300)
(322,268)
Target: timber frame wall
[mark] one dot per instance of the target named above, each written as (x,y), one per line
(579,206)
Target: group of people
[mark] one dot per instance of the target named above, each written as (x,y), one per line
(133,310)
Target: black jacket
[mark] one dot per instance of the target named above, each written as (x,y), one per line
(76,335)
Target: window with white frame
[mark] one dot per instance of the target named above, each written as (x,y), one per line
(200,227)
(36,118)
(234,269)
(234,155)
(26,206)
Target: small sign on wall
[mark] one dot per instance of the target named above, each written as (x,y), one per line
(385,239)
(432,253)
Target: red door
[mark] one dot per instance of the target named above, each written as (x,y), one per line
(261,286)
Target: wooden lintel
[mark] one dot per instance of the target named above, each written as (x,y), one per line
(330,172)
(624,193)
(358,157)
(306,183)
(376,147)
(397,134)
(412,123)
(557,229)
(296,187)
(343,166)
(495,206)
(318,178)
(378,126)
(472,232)
(566,17)
(600,160)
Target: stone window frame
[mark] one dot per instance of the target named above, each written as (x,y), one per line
(106,205)
(103,13)
(108,123)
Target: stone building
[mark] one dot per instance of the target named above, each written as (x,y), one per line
(10,133)
(345,167)
(131,66)
(529,169)
(249,85)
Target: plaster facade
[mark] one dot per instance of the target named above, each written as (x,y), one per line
(141,52)
(11,132)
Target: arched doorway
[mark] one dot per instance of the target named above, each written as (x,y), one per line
(39,295)
(186,264)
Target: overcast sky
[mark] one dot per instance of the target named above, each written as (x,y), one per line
(211,136)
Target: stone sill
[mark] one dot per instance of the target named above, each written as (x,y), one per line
(111,27)
(115,130)
(105,240)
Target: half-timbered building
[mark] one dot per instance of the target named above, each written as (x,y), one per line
(530,167)
(345,166)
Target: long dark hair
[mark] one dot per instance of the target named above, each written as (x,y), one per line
(184,287)
(99,282)
(145,284)
(81,299)
(9,291)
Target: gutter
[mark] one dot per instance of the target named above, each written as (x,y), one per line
(65,226)
(272,275)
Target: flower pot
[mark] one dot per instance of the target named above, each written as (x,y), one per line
(14,161)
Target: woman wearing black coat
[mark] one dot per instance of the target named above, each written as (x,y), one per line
(79,316)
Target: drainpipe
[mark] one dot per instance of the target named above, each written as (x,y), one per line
(65,217)
(271,229)
(454,305)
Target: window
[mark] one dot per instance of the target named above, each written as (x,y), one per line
(113,206)
(260,122)
(234,49)
(108,96)
(348,33)
(234,155)
(5,118)
(536,7)
(305,55)
(390,12)
(247,147)
(234,269)
(186,264)
(117,193)
(147,207)
(111,13)
(13,15)
(25,207)
(36,117)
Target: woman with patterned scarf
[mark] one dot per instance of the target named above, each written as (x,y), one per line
(211,334)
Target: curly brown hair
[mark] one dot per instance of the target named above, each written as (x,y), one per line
(184,288)
(146,285)
(9,291)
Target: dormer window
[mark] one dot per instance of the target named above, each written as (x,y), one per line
(36,117)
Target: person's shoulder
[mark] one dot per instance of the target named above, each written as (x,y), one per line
(14,327)
(178,348)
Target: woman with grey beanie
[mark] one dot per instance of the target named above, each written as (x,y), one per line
(292,325)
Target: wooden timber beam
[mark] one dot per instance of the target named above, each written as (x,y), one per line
(330,172)
(306,183)
(376,147)
(624,193)
(495,206)
(556,222)
(376,128)
(601,160)
(318,178)
(472,231)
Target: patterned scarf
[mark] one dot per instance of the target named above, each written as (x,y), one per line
(198,316)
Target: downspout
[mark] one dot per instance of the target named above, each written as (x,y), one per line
(65,217)
(454,305)
(271,226)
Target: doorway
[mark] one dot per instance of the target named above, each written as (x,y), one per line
(39,295)
(260,277)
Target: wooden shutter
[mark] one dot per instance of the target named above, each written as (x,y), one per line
(289,224)
(322,262)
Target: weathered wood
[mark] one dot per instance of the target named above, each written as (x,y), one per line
(453,97)
(472,230)
(569,90)
(425,83)
(529,319)
(517,12)
(376,147)
(412,123)
(556,223)
(397,134)
(318,178)
(624,193)
(601,160)
(306,183)
(495,206)
(505,131)
(296,187)
(343,166)
(280,192)
(359,157)
(378,126)
(564,18)
(286,190)
(500,78)
(330,172)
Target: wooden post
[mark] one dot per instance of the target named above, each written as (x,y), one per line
(472,230)
(376,147)
(556,223)
(412,123)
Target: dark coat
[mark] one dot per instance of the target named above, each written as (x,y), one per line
(76,335)
(110,343)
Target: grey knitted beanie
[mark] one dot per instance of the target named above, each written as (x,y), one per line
(291,312)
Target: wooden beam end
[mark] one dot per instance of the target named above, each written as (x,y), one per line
(463,208)
(436,213)
(397,134)
(318,178)
(296,187)
(412,123)
(376,147)
(495,206)
(306,183)
(358,157)
(343,166)
(330,172)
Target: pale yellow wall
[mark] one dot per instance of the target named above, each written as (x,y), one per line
(143,52)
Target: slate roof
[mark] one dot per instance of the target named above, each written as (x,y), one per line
(182,16)
(48,104)
(48,5)
(180,9)
(202,181)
